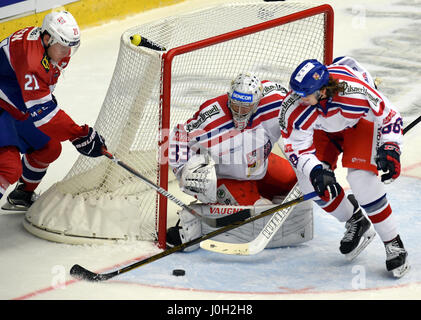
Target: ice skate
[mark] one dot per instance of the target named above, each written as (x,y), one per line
(396,258)
(359,233)
(173,236)
(19,199)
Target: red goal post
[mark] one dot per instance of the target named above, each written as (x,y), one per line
(153,91)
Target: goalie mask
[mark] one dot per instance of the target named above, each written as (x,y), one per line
(63,29)
(243,98)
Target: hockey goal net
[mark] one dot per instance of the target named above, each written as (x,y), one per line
(152,91)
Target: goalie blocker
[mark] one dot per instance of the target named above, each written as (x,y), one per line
(298,227)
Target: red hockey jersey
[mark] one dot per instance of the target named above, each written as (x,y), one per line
(27,82)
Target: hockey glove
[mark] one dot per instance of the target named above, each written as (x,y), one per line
(198,178)
(90,145)
(324,183)
(388,160)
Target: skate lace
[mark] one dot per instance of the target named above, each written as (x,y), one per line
(393,250)
(351,229)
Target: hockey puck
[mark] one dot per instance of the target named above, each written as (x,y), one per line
(178,272)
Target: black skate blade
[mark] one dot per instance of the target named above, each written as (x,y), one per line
(11,207)
(401,271)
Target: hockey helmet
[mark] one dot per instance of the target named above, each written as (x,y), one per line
(309,77)
(63,29)
(244,96)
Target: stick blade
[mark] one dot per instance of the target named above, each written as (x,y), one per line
(241,249)
(81,273)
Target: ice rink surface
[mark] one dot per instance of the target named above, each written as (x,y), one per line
(383,36)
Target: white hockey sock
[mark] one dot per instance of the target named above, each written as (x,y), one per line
(339,207)
(380,214)
(371,195)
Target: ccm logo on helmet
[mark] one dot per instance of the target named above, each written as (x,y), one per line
(304,70)
(243,97)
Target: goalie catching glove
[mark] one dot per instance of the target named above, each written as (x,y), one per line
(90,145)
(198,178)
(388,160)
(324,183)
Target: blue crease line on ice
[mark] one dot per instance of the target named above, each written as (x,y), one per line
(315,266)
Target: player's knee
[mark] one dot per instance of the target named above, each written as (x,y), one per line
(281,170)
(49,153)
(365,185)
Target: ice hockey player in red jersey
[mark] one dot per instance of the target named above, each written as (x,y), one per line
(337,109)
(223,155)
(32,122)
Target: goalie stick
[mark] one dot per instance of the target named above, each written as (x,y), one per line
(213,222)
(269,230)
(81,273)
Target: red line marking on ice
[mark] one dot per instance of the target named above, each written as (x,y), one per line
(286,290)
(412,166)
(44,290)
(67,283)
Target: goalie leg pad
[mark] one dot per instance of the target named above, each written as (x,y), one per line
(191,228)
(297,228)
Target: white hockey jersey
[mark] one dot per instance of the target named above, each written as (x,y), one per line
(240,155)
(360,99)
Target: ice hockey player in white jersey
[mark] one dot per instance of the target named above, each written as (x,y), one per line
(337,109)
(223,156)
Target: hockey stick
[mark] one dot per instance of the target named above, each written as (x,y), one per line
(411,125)
(213,222)
(269,230)
(80,272)
(261,241)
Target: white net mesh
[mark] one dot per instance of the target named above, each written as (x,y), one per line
(130,116)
